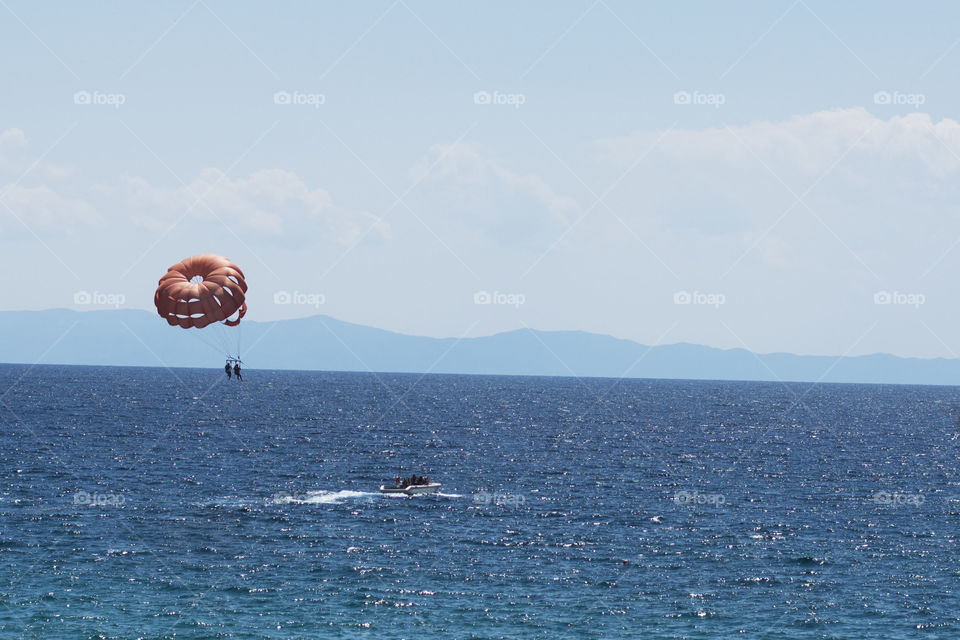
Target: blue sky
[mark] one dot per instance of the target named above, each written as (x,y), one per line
(803,200)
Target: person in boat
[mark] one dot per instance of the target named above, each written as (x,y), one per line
(227,369)
(236,370)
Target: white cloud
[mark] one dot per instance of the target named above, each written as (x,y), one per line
(878,197)
(39,207)
(809,143)
(271,201)
(11,141)
(469,171)
(851,167)
(15,158)
(13,138)
(42,207)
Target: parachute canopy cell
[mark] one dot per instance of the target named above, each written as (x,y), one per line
(202,290)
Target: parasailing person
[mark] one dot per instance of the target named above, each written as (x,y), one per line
(202,291)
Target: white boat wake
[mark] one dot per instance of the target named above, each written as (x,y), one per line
(321,497)
(338,497)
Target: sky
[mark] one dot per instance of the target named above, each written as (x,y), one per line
(777,176)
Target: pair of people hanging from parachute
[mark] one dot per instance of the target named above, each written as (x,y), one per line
(234,369)
(203,291)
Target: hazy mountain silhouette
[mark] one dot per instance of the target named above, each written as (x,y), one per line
(140,338)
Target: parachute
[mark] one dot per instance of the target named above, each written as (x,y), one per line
(202,290)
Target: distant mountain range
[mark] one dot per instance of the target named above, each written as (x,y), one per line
(140,338)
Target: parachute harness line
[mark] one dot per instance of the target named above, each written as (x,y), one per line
(220,294)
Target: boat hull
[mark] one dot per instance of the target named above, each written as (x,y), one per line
(413,490)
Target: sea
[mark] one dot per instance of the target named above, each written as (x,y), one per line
(175,503)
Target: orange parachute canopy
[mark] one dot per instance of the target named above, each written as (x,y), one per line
(201,290)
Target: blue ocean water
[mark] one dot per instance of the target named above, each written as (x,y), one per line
(158,504)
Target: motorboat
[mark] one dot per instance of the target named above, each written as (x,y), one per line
(411,489)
